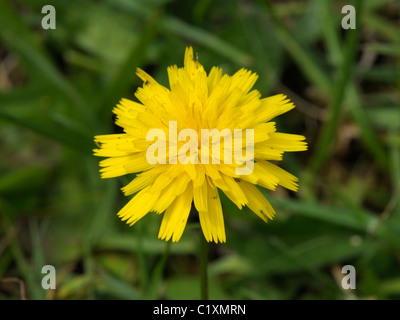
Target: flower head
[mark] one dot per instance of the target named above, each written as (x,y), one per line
(204,134)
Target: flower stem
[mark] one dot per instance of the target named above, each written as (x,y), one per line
(203,258)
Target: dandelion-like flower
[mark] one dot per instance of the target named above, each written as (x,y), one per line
(172,171)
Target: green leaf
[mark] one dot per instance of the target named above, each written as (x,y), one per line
(385,118)
(173,25)
(130,243)
(49,128)
(24,180)
(17,38)
(313,254)
(124,75)
(390,286)
(188,288)
(119,288)
(74,287)
(338,216)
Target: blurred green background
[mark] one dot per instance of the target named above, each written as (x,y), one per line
(57,90)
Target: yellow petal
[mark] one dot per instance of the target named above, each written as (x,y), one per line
(200,197)
(286,179)
(116,145)
(232,190)
(138,206)
(257,202)
(171,191)
(166,198)
(212,220)
(263,131)
(287,142)
(272,106)
(244,79)
(145,76)
(175,217)
(142,180)
(262,176)
(165,178)
(118,166)
(213,78)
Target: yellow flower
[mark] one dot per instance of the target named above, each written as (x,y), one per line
(197,102)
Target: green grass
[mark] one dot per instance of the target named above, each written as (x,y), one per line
(57,90)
